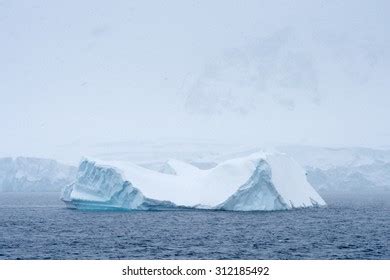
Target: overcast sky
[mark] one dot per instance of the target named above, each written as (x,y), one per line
(256,72)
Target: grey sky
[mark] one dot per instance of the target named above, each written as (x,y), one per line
(312,72)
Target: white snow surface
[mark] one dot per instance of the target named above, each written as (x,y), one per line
(289,179)
(191,186)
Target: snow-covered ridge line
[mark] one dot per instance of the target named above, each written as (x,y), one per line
(257,182)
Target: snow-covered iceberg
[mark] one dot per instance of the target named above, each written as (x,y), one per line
(257,182)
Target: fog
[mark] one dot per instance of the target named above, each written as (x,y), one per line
(247,72)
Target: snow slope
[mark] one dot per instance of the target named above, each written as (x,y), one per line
(26,174)
(257,182)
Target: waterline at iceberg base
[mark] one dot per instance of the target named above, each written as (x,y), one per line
(259,182)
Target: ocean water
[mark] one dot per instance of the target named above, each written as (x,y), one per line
(38,226)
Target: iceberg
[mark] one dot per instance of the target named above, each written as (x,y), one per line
(257,182)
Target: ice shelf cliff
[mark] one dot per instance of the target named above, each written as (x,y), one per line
(27,174)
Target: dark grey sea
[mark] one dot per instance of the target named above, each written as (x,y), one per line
(38,226)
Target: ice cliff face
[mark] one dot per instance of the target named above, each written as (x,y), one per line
(102,187)
(24,174)
(258,193)
(257,182)
(278,183)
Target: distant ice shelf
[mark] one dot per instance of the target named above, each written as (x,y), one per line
(28,174)
(261,181)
